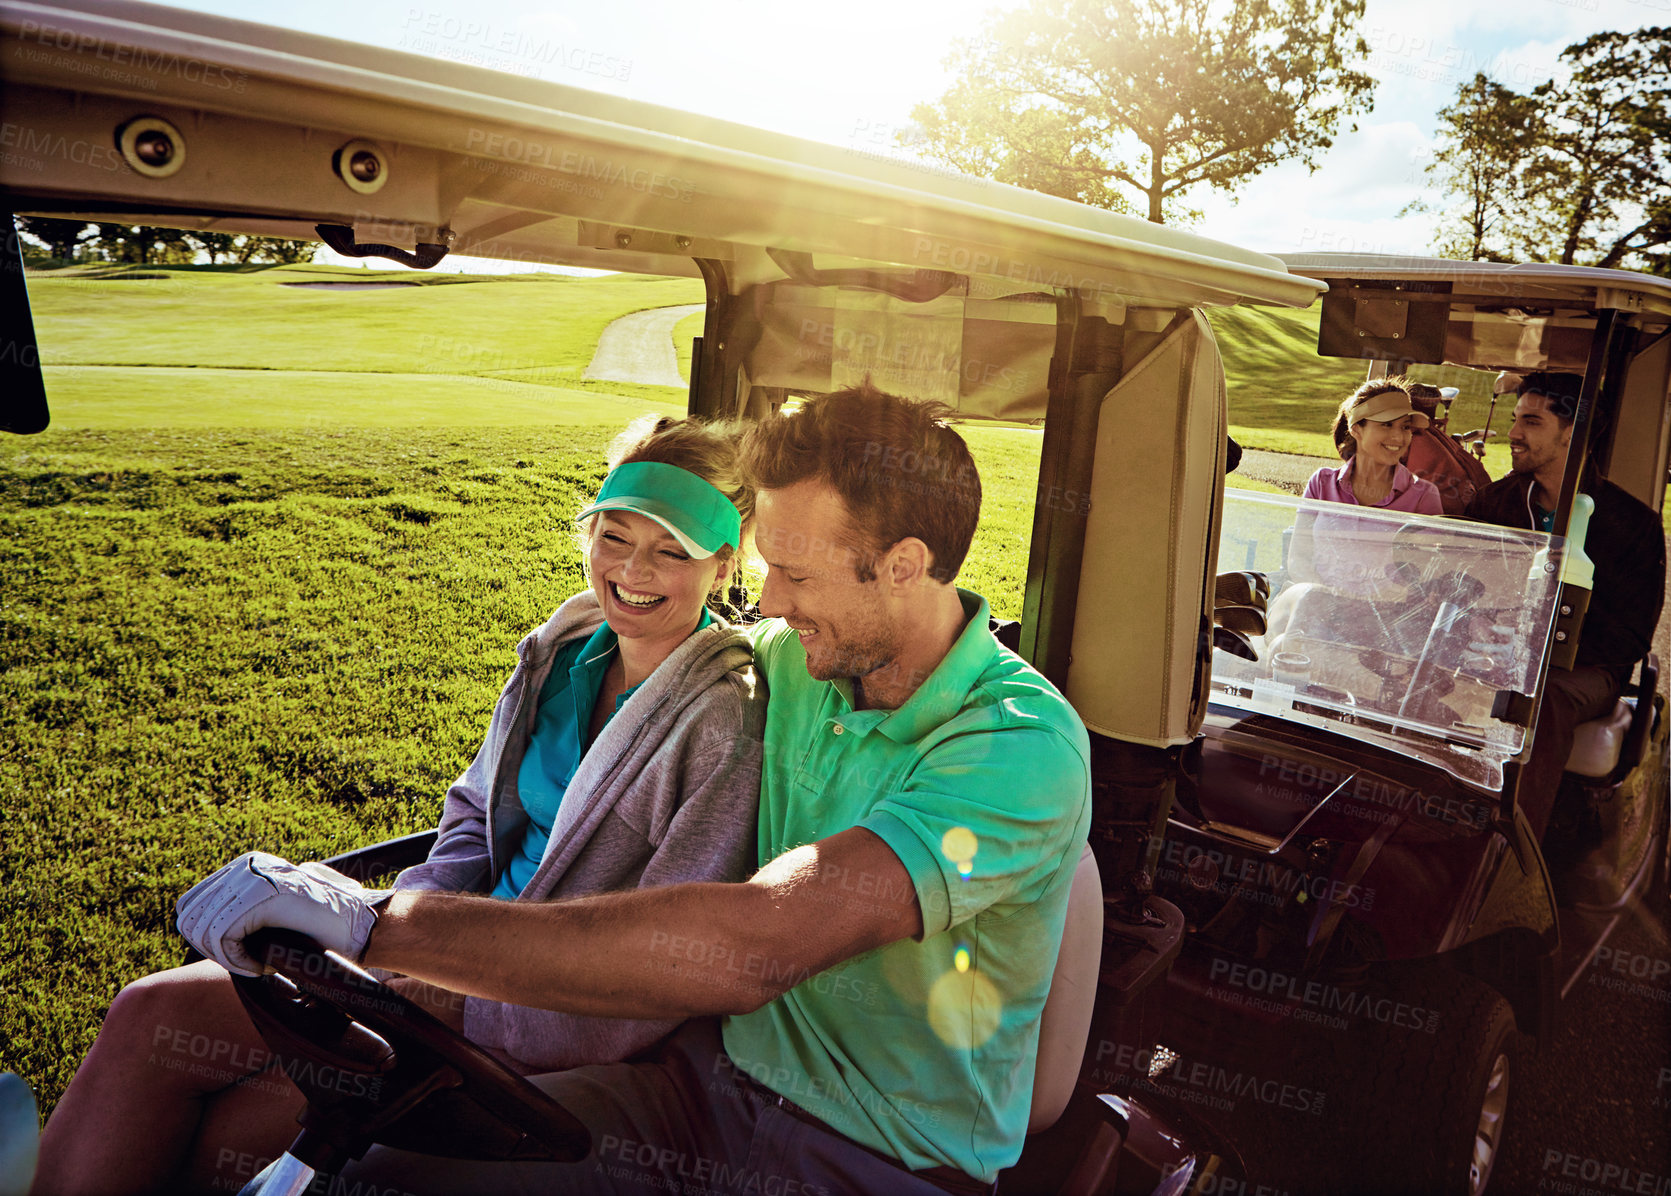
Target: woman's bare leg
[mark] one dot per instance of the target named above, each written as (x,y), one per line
(178,1071)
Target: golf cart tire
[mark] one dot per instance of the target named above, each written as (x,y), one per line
(1436,1109)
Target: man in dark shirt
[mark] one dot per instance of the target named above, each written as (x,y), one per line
(1627,546)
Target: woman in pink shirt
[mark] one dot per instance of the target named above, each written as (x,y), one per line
(1349,552)
(1372,432)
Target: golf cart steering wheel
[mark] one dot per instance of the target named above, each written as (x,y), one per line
(375,1067)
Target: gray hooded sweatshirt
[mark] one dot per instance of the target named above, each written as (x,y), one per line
(668,792)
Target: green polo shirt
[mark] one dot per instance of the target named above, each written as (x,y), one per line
(980,783)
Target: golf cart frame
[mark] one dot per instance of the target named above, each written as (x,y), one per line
(820,266)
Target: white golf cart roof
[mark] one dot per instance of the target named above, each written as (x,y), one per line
(502,166)
(1501,284)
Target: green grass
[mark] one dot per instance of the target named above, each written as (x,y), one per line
(213,640)
(176,397)
(537,328)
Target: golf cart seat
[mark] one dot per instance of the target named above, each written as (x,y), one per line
(1606,749)
(1065,1022)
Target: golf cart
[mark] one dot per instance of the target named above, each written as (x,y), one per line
(1361,891)
(820,267)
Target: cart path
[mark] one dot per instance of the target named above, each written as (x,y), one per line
(1288,470)
(639,348)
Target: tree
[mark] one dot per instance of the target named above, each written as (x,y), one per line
(1577,172)
(215,244)
(1604,172)
(61,237)
(143,244)
(275,249)
(1486,141)
(1098,99)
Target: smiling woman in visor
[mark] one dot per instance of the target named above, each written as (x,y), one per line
(1349,552)
(624,752)
(1372,433)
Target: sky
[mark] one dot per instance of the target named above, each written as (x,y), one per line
(850,72)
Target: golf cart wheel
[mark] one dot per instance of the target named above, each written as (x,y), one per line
(1444,1097)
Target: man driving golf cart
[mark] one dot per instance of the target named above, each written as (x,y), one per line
(1624,543)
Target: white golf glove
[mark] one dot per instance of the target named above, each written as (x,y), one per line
(257,890)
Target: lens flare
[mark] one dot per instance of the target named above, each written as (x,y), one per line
(959,845)
(964,1009)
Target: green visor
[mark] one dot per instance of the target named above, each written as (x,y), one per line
(697,514)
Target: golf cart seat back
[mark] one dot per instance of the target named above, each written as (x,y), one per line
(1145,597)
(1435,457)
(1065,1022)
(1605,749)
(1597,744)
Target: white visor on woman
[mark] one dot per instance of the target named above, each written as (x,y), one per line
(1387,406)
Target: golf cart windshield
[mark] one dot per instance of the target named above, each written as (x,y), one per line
(1404,628)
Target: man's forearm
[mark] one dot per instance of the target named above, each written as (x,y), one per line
(649,953)
(677,951)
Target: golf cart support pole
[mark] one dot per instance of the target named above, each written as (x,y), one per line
(1605,363)
(708,350)
(1606,351)
(1131,784)
(1087,362)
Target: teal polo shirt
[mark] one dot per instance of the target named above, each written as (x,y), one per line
(980,784)
(557,743)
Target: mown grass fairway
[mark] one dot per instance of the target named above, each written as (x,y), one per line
(530,327)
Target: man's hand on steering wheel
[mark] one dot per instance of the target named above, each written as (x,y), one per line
(257,890)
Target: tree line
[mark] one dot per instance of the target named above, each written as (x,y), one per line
(1577,170)
(1131,105)
(72,241)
